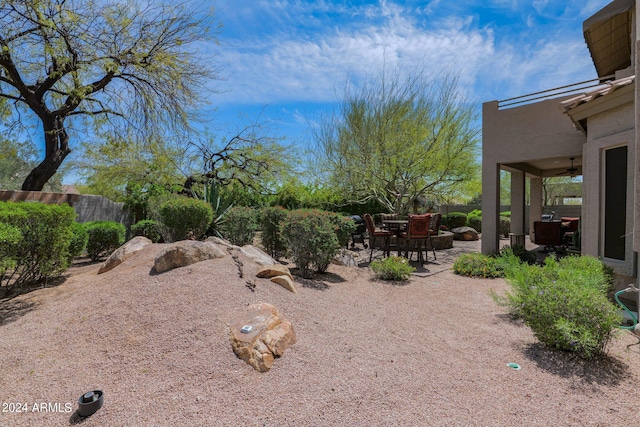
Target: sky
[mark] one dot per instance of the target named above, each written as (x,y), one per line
(287,61)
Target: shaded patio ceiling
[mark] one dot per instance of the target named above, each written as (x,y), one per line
(548,167)
(608,37)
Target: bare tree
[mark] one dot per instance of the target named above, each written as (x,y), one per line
(119,64)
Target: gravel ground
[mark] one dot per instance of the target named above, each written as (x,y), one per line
(432,352)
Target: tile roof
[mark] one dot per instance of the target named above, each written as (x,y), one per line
(602,90)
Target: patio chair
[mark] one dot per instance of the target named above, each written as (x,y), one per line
(376,233)
(418,233)
(434,229)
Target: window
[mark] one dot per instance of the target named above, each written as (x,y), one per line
(615,202)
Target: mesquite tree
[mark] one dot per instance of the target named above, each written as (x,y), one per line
(117,64)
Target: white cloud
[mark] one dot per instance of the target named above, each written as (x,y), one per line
(310,49)
(309,66)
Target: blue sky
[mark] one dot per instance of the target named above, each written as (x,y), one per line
(288,59)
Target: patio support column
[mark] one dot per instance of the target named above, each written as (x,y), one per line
(535,210)
(635,52)
(490,207)
(517,201)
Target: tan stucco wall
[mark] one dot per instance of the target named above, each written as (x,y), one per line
(520,134)
(608,129)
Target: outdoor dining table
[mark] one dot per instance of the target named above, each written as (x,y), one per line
(396,226)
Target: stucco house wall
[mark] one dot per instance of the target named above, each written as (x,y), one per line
(609,129)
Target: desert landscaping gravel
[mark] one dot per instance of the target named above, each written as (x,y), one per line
(431,352)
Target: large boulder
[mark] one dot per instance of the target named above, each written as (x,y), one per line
(259,335)
(218,241)
(185,252)
(465,233)
(123,252)
(259,256)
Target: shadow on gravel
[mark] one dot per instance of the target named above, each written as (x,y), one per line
(12,309)
(604,370)
(318,285)
(320,281)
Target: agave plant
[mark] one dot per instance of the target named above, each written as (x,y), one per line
(220,205)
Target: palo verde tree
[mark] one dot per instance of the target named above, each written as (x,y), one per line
(120,64)
(400,139)
(115,166)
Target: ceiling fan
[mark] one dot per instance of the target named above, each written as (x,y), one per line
(571,170)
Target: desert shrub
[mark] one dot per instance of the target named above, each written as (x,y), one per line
(565,304)
(104,238)
(477,265)
(79,240)
(240,226)
(392,268)
(147,228)
(344,226)
(42,251)
(9,238)
(454,220)
(519,252)
(183,218)
(505,226)
(475,212)
(271,219)
(475,222)
(311,239)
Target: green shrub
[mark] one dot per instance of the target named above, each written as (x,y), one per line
(392,268)
(454,220)
(506,213)
(311,239)
(475,222)
(42,251)
(9,238)
(344,226)
(475,212)
(519,252)
(240,226)
(183,218)
(104,238)
(147,228)
(271,219)
(78,241)
(505,226)
(565,304)
(477,265)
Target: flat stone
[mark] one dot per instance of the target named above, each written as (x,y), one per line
(186,252)
(268,271)
(286,282)
(269,336)
(123,252)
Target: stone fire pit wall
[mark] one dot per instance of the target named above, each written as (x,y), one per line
(444,240)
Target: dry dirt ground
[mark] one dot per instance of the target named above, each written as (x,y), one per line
(430,352)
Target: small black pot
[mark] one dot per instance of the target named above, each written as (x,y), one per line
(90,402)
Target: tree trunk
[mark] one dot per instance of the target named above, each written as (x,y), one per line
(56,149)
